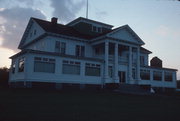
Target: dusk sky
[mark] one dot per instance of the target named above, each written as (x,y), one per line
(157,22)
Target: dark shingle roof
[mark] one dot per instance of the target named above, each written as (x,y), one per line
(142,49)
(81,18)
(61,29)
(70,31)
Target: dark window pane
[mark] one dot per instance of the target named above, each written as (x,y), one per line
(21,65)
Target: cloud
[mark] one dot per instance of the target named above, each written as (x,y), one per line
(13,24)
(20,3)
(66,10)
(162,30)
(167,31)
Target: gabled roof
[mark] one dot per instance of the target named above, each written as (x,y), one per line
(144,50)
(88,20)
(69,31)
(60,29)
(129,30)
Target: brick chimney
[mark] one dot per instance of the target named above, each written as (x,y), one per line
(156,62)
(54,20)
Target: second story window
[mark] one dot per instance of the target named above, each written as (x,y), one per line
(60,47)
(80,50)
(142,60)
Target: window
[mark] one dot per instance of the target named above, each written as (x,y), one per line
(71,67)
(99,29)
(21,65)
(134,73)
(99,50)
(145,74)
(94,28)
(35,32)
(60,47)
(80,50)
(142,60)
(13,67)
(157,75)
(30,35)
(168,76)
(92,69)
(110,71)
(44,65)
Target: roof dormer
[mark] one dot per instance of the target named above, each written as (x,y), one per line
(90,27)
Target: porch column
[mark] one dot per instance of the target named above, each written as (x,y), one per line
(138,64)
(106,58)
(130,63)
(162,75)
(116,78)
(174,78)
(151,75)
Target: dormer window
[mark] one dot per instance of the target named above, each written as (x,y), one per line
(96,29)
(99,29)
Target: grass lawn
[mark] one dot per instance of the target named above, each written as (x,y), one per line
(36,105)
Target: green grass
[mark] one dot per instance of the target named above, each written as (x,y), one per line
(34,105)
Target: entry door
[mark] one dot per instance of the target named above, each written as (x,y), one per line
(122,76)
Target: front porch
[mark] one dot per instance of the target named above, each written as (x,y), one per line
(119,61)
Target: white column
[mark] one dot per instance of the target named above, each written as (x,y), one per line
(163,75)
(130,63)
(174,78)
(106,58)
(138,64)
(82,69)
(116,78)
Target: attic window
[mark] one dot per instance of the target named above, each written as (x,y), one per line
(35,32)
(31,34)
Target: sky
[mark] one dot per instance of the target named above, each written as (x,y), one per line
(157,22)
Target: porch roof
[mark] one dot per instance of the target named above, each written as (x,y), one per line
(54,54)
(163,68)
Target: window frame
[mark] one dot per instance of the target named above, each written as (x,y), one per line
(93,67)
(60,47)
(72,64)
(44,60)
(80,50)
(21,64)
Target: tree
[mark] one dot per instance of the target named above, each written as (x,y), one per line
(4,77)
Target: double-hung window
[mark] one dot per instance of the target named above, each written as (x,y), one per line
(80,50)
(60,47)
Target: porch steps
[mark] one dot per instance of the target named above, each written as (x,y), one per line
(132,89)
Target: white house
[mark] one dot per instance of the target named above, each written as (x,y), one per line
(85,53)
